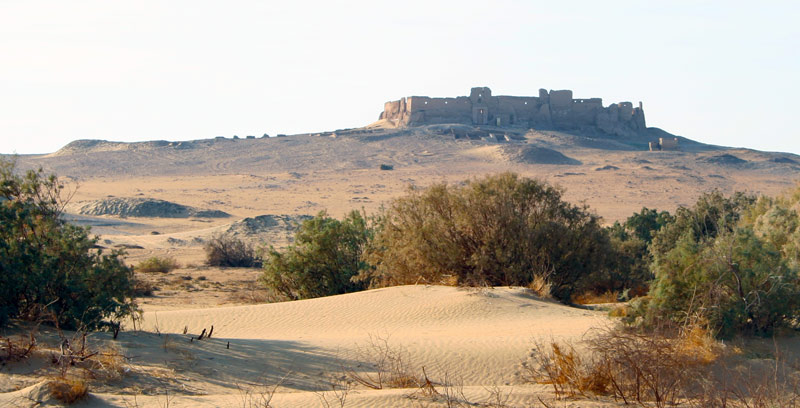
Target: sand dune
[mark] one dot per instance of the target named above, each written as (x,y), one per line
(474,339)
(435,324)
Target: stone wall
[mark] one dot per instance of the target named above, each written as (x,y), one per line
(550,110)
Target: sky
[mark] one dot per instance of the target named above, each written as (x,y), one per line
(720,72)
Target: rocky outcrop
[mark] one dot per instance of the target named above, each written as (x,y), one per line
(556,110)
(268,228)
(536,155)
(146,207)
(724,160)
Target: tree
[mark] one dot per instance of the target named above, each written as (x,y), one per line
(630,240)
(499,230)
(724,269)
(50,269)
(324,257)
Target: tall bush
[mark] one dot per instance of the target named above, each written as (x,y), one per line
(325,256)
(721,262)
(630,264)
(49,268)
(500,230)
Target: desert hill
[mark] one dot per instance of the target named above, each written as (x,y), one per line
(300,175)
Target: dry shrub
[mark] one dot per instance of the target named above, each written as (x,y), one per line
(653,367)
(592,298)
(390,367)
(225,250)
(540,286)
(142,288)
(255,294)
(68,390)
(658,367)
(561,366)
(340,387)
(752,382)
(108,364)
(260,395)
(157,264)
(17,350)
(622,310)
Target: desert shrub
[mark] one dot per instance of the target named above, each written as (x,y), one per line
(499,230)
(629,271)
(49,268)
(143,288)
(324,257)
(387,366)
(644,224)
(590,297)
(658,367)
(157,264)
(225,250)
(718,264)
(16,350)
(68,390)
(712,214)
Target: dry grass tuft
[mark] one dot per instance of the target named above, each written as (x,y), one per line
(697,344)
(108,364)
(592,298)
(621,310)
(68,390)
(540,286)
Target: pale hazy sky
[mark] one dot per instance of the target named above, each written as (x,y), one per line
(722,72)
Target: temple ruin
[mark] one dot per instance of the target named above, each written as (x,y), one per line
(550,110)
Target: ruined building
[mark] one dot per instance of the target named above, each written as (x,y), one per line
(664,144)
(550,110)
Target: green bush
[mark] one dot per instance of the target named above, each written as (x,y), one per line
(225,250)
(727,262)
(157,264)
(499,230)
(326,255)
(49,269)
(630,264)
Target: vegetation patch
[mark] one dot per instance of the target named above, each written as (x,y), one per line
(52,270)
(157,264)
(68,390)
(225,250)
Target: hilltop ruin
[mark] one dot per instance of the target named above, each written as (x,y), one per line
(550,110)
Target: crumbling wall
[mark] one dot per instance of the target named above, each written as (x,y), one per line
(556,109)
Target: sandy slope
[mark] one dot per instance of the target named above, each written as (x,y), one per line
(475,339)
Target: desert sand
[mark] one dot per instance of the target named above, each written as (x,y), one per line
(470,341)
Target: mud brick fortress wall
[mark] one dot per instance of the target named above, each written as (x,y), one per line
(550,110)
